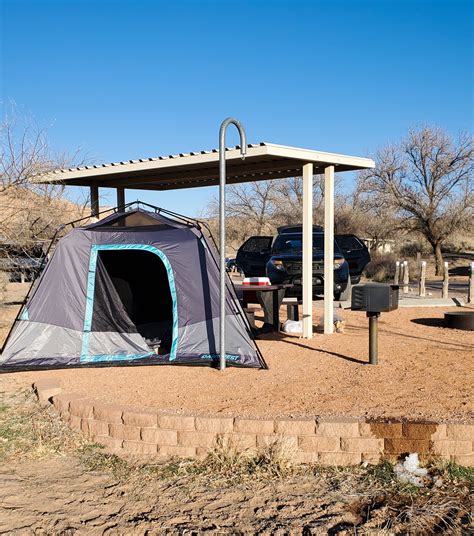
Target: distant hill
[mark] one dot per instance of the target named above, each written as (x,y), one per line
(28,216)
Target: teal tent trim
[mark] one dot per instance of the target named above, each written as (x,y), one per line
(85,356)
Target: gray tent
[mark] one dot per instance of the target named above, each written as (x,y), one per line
(138,287)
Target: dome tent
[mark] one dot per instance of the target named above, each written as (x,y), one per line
(137,287)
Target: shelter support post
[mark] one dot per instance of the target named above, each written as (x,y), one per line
(308,251)
(94,201)
(120,197)
(329,249)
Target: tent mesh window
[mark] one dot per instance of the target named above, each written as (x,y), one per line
(131,300)
(137,219)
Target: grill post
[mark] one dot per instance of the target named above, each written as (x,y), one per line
(373,337)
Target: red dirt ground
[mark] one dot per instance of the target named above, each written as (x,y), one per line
(425,371)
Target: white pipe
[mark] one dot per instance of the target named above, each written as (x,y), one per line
(329,249)
(307,251)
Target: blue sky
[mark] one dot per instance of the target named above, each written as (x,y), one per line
(125,80)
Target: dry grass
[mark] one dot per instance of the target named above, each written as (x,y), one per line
(226,458)
(224,465)
(30,431)
(431,516)
(276,459)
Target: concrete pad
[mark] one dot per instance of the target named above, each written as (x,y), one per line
(415,301)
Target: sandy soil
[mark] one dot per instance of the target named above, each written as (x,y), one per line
(425,371)
(58,496)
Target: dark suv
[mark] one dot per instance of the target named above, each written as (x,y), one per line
(281,259)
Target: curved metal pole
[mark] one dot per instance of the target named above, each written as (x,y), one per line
(222,181)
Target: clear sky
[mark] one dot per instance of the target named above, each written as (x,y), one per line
(130,79)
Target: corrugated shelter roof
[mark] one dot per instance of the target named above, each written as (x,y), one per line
(188,170)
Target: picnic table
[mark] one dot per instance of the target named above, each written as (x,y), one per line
(269,297)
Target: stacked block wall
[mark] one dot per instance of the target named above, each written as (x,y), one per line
(326,441)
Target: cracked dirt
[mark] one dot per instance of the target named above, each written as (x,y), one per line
(58,496)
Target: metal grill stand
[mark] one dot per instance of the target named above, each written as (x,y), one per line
(373,337)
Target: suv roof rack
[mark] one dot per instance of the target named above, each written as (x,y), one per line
(297,228)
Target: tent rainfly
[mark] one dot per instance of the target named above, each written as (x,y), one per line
(138,287)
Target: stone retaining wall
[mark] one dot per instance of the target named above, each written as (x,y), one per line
(327,441)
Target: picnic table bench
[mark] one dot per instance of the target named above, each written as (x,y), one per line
(270,297)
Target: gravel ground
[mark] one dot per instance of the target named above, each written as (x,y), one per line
(425,371)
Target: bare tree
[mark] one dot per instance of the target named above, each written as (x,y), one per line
(256,208)
(24,153)
(30,211)
(288,200)
(249,210)
(253,202)
(361,214)
(427,180)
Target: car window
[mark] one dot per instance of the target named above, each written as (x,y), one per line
(289,243)
(257,244)
(349,242)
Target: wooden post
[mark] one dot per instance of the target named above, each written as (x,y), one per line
(406,277)
(470,293)
(120,197)
(94,201)
(446,282)
(422,283)
(308,251)
(396,279)
(329,250)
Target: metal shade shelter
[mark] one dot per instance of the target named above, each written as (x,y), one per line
(263,161)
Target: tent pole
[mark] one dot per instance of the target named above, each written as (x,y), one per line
(222,181)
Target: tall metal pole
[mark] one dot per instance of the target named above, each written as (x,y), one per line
(222,181)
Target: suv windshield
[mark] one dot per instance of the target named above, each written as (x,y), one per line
(293,243)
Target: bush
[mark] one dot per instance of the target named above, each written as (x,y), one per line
(381,269)
(410,249)
(457,247)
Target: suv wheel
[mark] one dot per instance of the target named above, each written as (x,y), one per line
(344,295)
